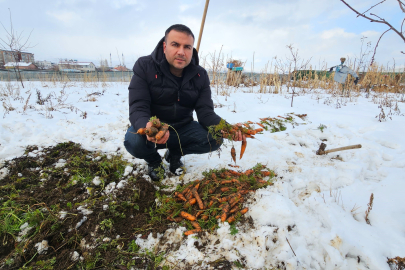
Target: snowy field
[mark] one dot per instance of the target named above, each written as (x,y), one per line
(317,203)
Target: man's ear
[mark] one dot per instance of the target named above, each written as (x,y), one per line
(164,47)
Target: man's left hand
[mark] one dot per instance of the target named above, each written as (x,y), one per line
(238,136)
(356,81)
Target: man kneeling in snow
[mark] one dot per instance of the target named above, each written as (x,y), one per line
(170,84)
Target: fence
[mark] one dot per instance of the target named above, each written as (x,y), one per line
(44,75)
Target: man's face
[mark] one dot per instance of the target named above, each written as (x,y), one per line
(178,49)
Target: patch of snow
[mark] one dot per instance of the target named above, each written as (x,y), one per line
(42,247)
(96,181)
(128,170)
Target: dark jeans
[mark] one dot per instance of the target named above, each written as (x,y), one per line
(194,139)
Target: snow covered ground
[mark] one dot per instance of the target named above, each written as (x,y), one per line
(317,204)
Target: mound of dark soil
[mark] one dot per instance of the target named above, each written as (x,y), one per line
(67,208)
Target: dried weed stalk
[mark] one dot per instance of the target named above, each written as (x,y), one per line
(370,206)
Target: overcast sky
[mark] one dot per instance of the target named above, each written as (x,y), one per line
(89,30)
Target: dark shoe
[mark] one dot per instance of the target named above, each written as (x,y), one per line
(175,163)
(156,171)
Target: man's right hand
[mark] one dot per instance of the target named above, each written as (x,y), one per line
(163,140)
(331,69)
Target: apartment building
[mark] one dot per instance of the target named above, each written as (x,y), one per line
(13,56)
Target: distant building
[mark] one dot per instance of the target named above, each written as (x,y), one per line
(44,64)
(75,65)
(13,56)
(20,65)
(120,68)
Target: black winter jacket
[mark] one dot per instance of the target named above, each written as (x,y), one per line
(153,91)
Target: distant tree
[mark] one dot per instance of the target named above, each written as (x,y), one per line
(16,43)
(104,65)
(375,18)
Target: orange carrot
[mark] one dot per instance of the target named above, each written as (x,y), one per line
(151,131)
(196,225)
(190,202)
(236,181)
(197,186)
(225,212)
(187,216)
(225,189)
(213,176)
(265,173)
(242,149)
(249,172)
(244,210)
(233,154)
(162,132)
(234,209)
(190,232)
(156,123)
(188,195)
(224,182)
(178,219)
(234,173)
(141,131)
(235,199)
(180,196)
(204,217)
(197,197)
(231,219)
(259,130)
(260,125)
(185,190)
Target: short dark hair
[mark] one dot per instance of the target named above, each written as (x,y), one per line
(179,28)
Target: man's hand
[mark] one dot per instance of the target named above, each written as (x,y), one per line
(238,136)
(356,81)
(331,69)
(163,140)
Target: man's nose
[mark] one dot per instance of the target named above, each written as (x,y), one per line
(181,51)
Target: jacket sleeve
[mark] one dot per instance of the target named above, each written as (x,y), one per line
(205,106)
(139,98)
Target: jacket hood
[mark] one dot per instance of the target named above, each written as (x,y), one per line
(158,56)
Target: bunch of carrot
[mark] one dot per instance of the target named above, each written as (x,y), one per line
(157,130)
(218,196)
(246,129)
